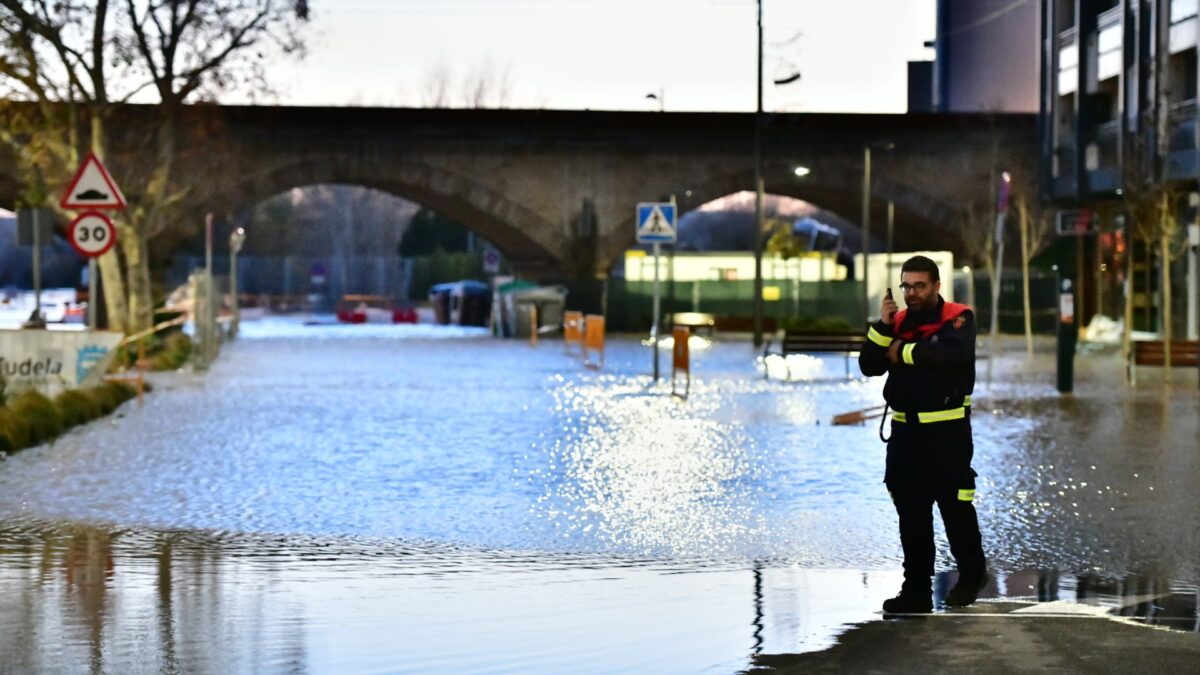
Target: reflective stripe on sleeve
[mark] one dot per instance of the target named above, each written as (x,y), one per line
(907,352)
(966,495)
(878,338)
(967,401)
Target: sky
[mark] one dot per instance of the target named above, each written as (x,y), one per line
(609,54)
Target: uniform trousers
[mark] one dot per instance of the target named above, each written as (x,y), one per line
(930,463)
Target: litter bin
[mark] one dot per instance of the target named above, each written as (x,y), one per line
(502,309)
(470,303)
(518,305)
(439,299)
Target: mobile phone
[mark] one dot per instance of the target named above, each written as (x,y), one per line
(889,294)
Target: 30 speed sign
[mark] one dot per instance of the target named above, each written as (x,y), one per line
(92,234)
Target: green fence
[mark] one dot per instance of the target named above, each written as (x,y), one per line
(630,303)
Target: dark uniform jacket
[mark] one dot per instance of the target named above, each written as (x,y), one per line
(936,372)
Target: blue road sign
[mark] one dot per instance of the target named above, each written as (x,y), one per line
(655,222)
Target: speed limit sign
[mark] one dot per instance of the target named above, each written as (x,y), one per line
(92,234)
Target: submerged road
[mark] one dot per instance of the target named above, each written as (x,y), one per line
(401,498)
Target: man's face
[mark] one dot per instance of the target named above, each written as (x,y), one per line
(920,291)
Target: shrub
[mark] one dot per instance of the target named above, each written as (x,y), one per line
(32,419)
(110,395)
(77,408)
(14,431)
(44,419)
(163,352)
(175,351)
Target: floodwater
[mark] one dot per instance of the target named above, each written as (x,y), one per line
(408,499)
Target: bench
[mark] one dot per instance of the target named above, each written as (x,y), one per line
(808,343)
(1154,353)
(742,324)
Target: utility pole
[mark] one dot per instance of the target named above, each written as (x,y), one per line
(1001,214)
(866,232)
(758,193)
(891,223)
(37,269)
(236,239)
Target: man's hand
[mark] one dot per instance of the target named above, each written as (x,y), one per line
(887,310)
(893,352)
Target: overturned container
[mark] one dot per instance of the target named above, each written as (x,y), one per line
(517,302)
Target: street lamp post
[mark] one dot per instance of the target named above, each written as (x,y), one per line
(891,226)
(758,183)
(236,239)
(661,97)
(758,193)
(1001,214)
(866,232)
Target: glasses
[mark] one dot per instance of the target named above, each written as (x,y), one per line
(918,287)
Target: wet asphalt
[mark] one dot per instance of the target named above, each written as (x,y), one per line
(1143,438)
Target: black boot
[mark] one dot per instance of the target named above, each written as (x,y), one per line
(966,590)
(910,601)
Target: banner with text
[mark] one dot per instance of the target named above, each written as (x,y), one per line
(53,361)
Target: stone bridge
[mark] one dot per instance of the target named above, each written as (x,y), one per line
(555,190)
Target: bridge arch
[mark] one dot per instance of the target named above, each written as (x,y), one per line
(510,226)
(835,185)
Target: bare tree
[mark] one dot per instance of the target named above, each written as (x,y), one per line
(55,53)
(486,85)
(435,87)
(1152,205)
(1036,228)
(60,54)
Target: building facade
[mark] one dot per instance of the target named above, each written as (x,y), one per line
(985,59)
(1118,114)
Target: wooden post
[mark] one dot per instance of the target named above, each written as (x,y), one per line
(681,359)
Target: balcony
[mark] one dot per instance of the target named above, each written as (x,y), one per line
(1181,10)
(1103,159)
(1063,171)
(1184,20)
(1109,40)
(1068,61)
(1181,149)
(1182,121)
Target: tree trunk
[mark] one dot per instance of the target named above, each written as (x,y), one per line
(1127,329)
(1023,221)
(141,303)
(110,264)
(1165,279)
(145,220)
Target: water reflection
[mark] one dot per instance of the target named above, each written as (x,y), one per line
(113,600)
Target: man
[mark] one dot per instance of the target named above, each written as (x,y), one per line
(928,354)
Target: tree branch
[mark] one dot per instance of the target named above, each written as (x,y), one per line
(192,78)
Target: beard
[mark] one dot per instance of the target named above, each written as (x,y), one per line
(922,305)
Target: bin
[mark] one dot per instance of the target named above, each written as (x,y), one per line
(549,300)
(439,300)
(470,303)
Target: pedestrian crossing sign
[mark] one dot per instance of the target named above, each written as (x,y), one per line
(656,222)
